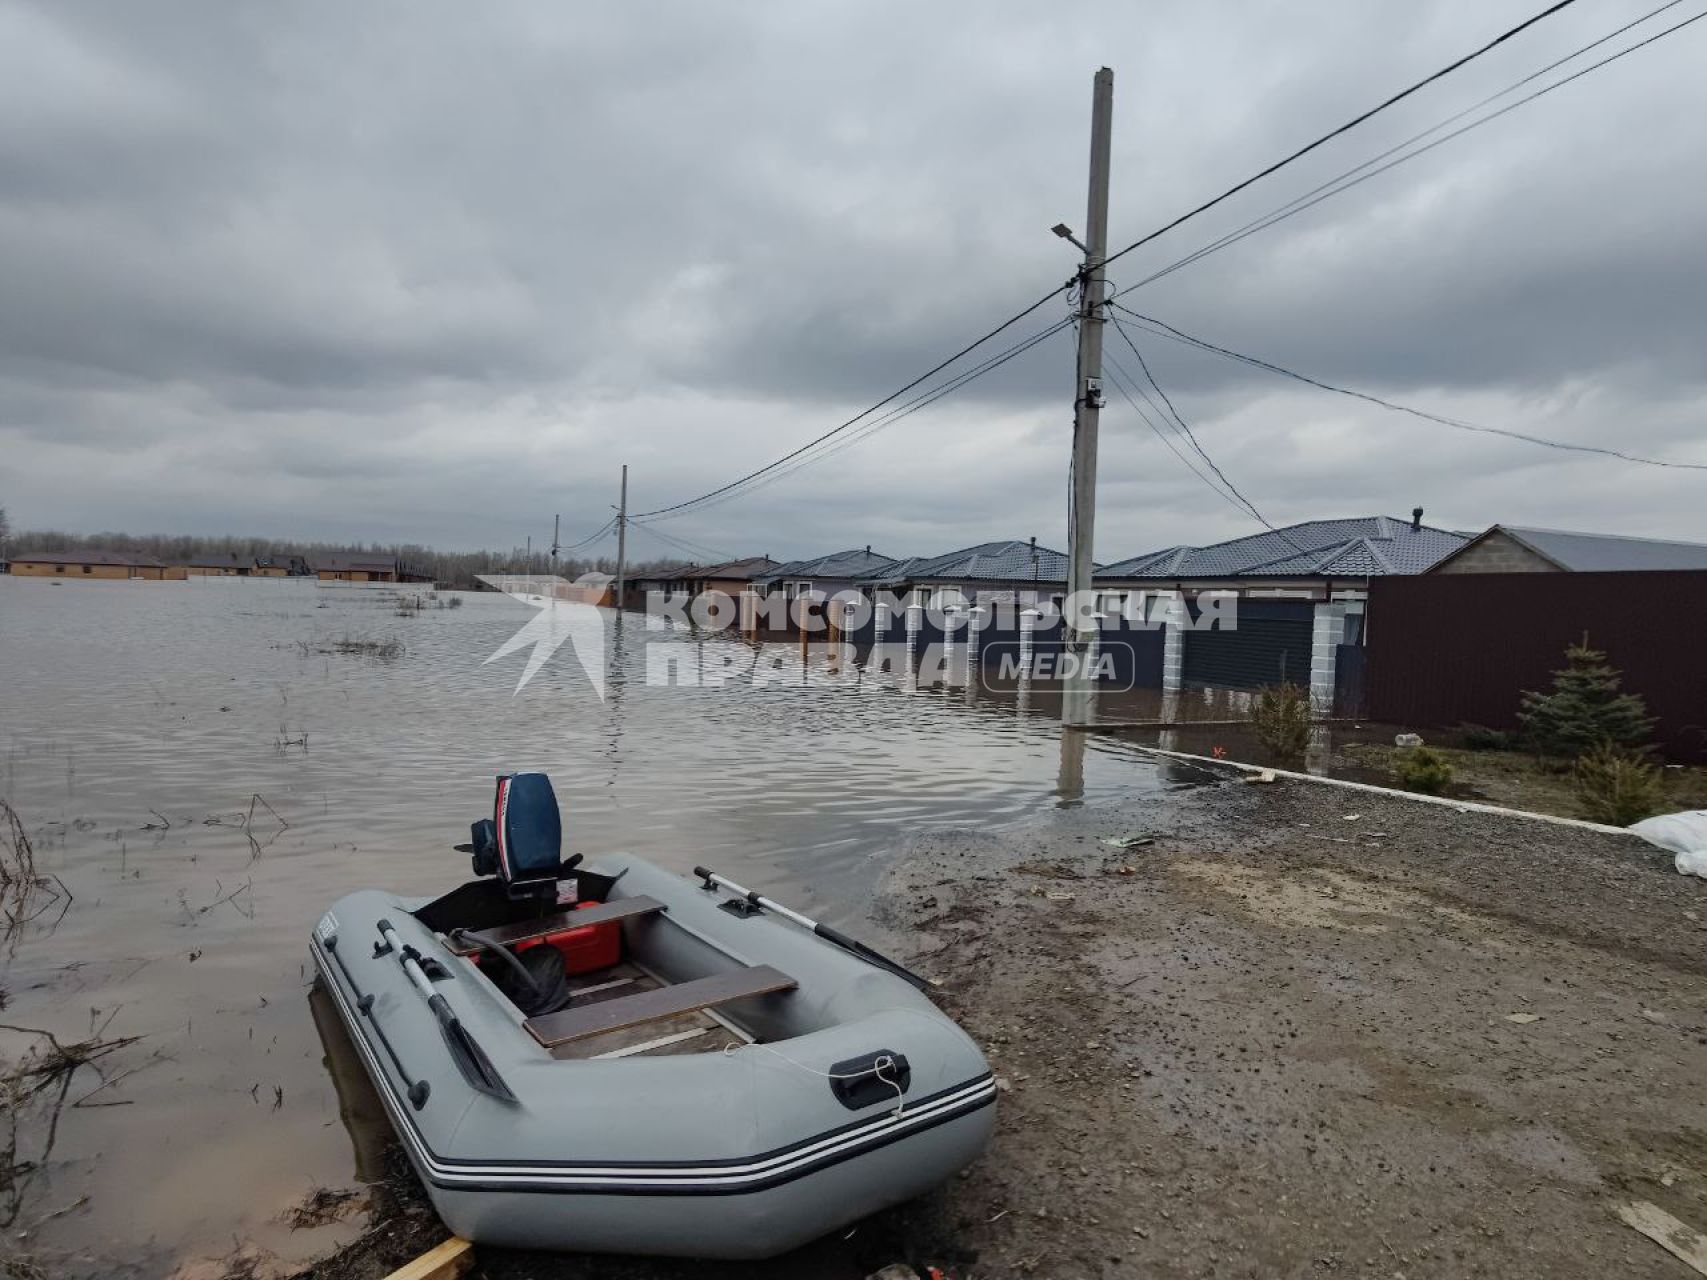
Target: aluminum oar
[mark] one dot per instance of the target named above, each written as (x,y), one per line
(855,946)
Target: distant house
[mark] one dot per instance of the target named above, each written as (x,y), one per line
(216,566)
(825,576)
(593,587)
(120,565)
(279,567)
(1514,549)
(1021,571)
(732,577)
(357,568)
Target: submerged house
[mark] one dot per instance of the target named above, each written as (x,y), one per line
(357,568)
(114,565)
(1293,599)
(825,576)
(230,565)
(1020,571)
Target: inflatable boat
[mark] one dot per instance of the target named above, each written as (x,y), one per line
(608,1057)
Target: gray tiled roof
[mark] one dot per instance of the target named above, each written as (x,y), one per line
(1605,552)
(1361,546)
(986,562)
(860,563)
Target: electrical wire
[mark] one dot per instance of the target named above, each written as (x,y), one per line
(1126,384)
(1344,128)
(591,538)
(1348,179)
(1164,330)
(867,412)
(1190,435)
(896,414)
(710,554)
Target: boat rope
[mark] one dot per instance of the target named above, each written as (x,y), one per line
(883,1064)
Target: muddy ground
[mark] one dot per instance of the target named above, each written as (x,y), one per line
(1303,1032)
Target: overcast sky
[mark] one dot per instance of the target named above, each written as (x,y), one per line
(433,271)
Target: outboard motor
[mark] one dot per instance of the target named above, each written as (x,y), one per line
(522,842)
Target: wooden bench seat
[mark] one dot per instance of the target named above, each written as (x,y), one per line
(575,1023)
(527,930)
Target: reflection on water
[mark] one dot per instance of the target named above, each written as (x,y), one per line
(207,764)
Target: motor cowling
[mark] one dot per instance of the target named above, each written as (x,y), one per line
(522,842)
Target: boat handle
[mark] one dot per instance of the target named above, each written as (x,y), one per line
(417,1091)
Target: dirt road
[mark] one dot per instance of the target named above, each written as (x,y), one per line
(1310,1031)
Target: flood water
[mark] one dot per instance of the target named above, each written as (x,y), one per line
(205,769)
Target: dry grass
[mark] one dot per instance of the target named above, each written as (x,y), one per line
(24,892)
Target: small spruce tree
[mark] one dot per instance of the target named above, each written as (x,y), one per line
(1586,708)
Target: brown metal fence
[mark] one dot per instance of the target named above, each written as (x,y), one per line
(1461,648)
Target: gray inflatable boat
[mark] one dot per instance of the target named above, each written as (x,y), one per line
(611,1058)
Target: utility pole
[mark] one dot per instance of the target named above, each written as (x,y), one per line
(622,542)
(1078,705)
(555,525)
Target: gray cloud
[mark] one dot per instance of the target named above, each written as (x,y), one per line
(434,272)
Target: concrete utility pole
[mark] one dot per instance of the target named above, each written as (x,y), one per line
(555,526)
(1077,707)
(622,542)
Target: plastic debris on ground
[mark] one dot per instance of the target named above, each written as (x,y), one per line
(1684,834)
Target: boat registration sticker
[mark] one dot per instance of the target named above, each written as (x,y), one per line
(327,929)
(568,892)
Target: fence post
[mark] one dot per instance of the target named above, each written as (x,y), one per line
(1327,629)
(1173,645)
(1093,650)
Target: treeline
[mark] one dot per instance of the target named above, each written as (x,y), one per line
(454,569)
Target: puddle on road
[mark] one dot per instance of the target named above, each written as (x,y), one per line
(205,778)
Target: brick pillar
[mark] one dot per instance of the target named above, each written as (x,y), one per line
(1173,650)
(1326,632)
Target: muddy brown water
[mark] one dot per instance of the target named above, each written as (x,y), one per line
(206,771)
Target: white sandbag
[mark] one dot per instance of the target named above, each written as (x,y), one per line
(1685,834)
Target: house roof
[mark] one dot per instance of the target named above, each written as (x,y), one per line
(1602,552)
(854,563)
(1356,547)
(231,561)
(357,564)
(88,557)
(744,568)
(1015,561)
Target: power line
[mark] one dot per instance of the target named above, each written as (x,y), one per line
(1344,128)
(921,401)
(1191,436)
(1125,383)
(772,466)
(710,554)
(867,412)
(1164,330)
(1346,180)
(593,537)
